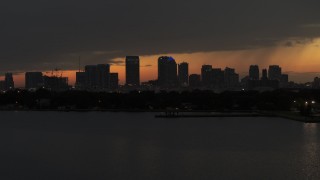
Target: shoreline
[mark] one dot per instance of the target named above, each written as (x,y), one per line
(190,114)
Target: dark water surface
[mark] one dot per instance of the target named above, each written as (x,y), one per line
(53,145)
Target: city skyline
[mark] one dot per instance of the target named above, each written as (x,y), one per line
(149,68)
(170,75)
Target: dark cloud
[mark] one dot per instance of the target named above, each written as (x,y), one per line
(298,42)
(289,44)
(43,34)
(116,62)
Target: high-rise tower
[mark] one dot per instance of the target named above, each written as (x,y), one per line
(183,74)
(254,73)
(132,71)
(167,71)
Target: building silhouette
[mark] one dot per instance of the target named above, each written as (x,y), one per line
(217,78)
(114,81)
(167,72)
(103,72)
(284,80)
(55,83)
(33,80)
(231,79)
(244,81)
(266,83)
(9,83)
(97,76)
(206,75)
(254,73)
(80,80)
(275,72)
(91,76)
(132,71)
(194,80)
(183,74)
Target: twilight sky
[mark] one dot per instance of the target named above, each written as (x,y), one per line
(44,34)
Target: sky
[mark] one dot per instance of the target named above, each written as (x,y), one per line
(40,35)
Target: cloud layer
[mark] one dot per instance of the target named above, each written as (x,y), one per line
(44,34)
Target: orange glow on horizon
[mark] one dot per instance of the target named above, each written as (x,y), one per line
(298,59)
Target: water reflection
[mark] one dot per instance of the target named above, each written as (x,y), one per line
(310,151)
(138,146)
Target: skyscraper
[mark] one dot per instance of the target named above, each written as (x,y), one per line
(114,81)
(97,76)
(206,75)
(254,73)
(132,71)
(9,81)
(103,72)
(217,78)
(275,72)
(80,80)
(91,76)
(231,78)
(183,74)
(167,71)
(33,80)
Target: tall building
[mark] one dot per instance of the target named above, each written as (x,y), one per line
(275,72)
(183,74)
(103,72)
(264,74)
(81,80)
(167,72)
(91,76)
(97,76)
(217,78)
(33,80)
(254,73)
(231,79)
(114,81)
(206,75)
(9,81)
(194,80)
(132,71)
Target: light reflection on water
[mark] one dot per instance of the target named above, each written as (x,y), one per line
(310,151)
